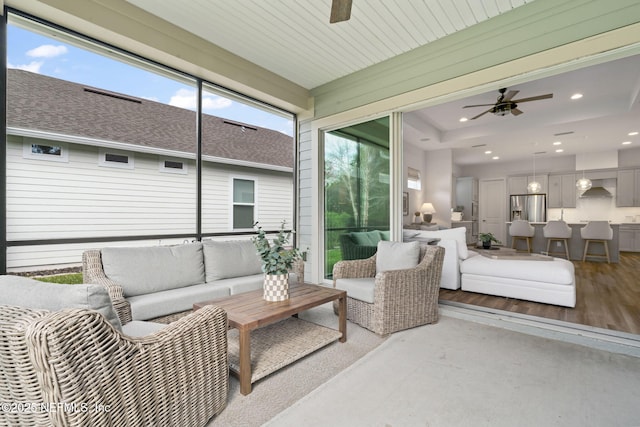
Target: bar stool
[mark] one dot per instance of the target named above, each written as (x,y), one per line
(557,231)
(521,230)
(596,232)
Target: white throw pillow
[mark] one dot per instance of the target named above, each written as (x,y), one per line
(458,234)
(397,255)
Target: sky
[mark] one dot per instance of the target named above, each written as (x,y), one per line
(33,52)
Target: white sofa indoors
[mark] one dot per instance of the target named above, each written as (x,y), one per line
(454,242)
(160,281)
(550,282)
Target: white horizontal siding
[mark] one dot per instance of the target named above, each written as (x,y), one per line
(77,199)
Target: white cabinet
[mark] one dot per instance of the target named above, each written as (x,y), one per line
(629,238)
(518,184)
(562,191)
(628,188)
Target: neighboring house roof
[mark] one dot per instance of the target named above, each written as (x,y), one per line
(48,104)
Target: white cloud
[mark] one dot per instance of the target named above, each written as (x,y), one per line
(185,98)
(33,66)
(47,51)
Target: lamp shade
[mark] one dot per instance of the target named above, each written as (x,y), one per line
(427,208)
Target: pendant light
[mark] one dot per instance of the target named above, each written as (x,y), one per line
(534,186)
(583,184)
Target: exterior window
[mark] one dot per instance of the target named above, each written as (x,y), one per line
(173,166)
(45,150)
(243,203)
(413,180)
(116,159)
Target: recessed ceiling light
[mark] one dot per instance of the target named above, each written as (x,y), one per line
(463,119)
(495,157)
(633,133)
(559,150)
(557,143)
(626,143)
(487,152)
(576,96)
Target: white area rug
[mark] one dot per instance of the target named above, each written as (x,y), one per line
(461,373)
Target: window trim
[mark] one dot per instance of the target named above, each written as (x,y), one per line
(233,204)
(102,161)
(27,153)
(162,167)
(413,176)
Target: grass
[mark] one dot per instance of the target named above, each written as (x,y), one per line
(68,279)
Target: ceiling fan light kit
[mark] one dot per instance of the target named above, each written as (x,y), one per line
(506,105)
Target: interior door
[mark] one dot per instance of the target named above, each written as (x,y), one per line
(492,207)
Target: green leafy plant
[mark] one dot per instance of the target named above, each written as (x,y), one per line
(488,238)
(276,257)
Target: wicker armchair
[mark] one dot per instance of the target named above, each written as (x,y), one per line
(72,368)
(402,298)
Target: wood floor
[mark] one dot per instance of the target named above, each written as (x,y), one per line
(607,296)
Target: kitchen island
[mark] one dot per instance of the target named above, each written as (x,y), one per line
(576,244)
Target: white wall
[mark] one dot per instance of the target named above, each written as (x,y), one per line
(438,170)
(413,157)
(79,198)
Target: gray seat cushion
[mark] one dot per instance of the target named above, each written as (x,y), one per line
(235,258)
(157,304)
(139,328)
(30,293)
(145,270)
(359,288)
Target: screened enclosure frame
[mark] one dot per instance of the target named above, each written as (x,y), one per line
(200,85)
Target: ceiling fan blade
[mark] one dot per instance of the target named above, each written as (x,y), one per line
(481,114)
(478,105)
(516,112)
(534,98)
(510,95)
(340,11)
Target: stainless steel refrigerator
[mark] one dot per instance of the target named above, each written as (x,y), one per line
(530,207)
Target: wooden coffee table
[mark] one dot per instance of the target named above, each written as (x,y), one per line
(249,311)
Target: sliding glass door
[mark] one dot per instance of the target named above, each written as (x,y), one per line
(356,191)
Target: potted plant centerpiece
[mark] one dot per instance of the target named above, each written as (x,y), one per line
(486,239)
(277,260)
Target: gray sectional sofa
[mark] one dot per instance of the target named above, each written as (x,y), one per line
(163,282)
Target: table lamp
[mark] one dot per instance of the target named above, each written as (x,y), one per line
(428,210)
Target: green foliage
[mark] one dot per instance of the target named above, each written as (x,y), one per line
(66,279)
(276,258)
(488,237)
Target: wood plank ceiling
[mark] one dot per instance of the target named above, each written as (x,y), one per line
(293,38)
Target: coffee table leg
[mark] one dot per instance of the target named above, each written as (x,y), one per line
(245,361)
(342,317)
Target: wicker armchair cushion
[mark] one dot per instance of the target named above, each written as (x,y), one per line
(360,288)
(29,293)
(397,255)
(223,260)
(144,270)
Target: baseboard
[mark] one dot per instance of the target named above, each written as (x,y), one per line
(589,336)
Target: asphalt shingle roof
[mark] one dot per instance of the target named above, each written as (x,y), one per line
(43,103)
